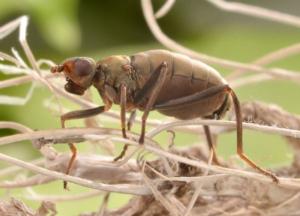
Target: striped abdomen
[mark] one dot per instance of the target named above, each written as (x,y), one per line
(185,77)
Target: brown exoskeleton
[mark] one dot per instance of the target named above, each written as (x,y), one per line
(171,83)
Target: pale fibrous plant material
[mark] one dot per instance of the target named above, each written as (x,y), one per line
(179,181)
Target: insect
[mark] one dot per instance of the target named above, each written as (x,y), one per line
(171,83)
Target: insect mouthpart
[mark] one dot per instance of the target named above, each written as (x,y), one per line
(73,87)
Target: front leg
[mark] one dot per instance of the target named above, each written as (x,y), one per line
(77,115)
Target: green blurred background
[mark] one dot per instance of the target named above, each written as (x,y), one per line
(64,28)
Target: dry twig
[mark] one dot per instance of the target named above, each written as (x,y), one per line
(177,181)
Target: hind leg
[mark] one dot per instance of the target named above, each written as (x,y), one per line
(210,92)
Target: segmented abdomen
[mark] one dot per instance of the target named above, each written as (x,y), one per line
(185,77)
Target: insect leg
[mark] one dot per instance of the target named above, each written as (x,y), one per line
(153,96)
(197,97)
(76,115)
(123,98)
(131,119)
(239,126)
(190,99)
(129,124)
(149,85)
(123,109)
(211,144)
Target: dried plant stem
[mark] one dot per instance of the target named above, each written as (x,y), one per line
(66,135)
(258,12)
(227,124)
(15,81)
(158,196)
(254,79)
(15,126)
(198,188)
(165,9)
(28,182)
(121,188)
(13,169)
(171,44)
(61,198)
(10,59)
(70,133)
(269,58)
(177,182)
